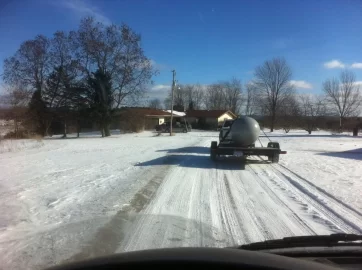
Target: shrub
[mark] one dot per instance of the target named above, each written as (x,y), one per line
(20,134)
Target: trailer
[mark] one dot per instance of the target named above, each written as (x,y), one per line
(272,151)
(242,142)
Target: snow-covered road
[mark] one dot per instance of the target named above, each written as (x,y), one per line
(96,196)
(264,201)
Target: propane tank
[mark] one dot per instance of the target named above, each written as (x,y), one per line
(245,131)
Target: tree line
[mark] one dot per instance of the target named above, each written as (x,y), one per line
(90,72)
(85,73)
(271,93)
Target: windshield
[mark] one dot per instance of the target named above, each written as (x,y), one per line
(91,165)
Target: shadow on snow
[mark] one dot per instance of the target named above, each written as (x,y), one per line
(188,150)
(307,136)
(351,154)
(198,157)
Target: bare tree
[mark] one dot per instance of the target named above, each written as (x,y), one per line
(233,95)
(197,97)
(179,97)
(167,103)
(58,67)
(155,103)
(115,52)
(193,96)
(250,99)
(59,90)
(17,98)
(288,113)
(187,97)
(188,90)
(344,95)
(29,68)
(224,95)
(272,80)
(312,110)
(30,64)
(215,97)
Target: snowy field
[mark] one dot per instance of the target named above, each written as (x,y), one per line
(75,198)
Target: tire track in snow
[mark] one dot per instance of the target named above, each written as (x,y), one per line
(266,213)
(108,238)
(283,204)
(202,203)
(234,206)
(358,213)
(345,218)
(326,206)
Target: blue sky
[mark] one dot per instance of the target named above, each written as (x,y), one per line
(208,41)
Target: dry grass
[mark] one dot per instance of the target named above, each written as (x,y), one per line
(38,138)
(16,145)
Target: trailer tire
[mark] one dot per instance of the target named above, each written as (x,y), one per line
(275,158)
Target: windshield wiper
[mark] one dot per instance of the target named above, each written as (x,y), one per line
(339,239)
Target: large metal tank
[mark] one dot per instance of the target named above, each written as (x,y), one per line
(245,131)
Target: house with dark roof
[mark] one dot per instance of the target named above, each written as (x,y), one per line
(208,118)
(139,118)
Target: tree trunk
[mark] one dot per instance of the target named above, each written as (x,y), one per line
(65,129)
(47,126)
(102,130)
(340,124)
(78,128)
(309,132)
(272,122)
(16,129)
(107,131)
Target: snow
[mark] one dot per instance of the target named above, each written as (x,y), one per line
(176,113)
(74,198)
(19,145)
(331,162)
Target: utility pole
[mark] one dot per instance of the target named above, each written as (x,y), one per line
(172,89)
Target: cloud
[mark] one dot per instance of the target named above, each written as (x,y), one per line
(83,8)
(339,64)
(358,83)
(159,66)
(158,91)
(160,87)
(356,65)
(334,64)
(301,84)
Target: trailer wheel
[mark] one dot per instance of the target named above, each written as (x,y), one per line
(275,158)
(213,150)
